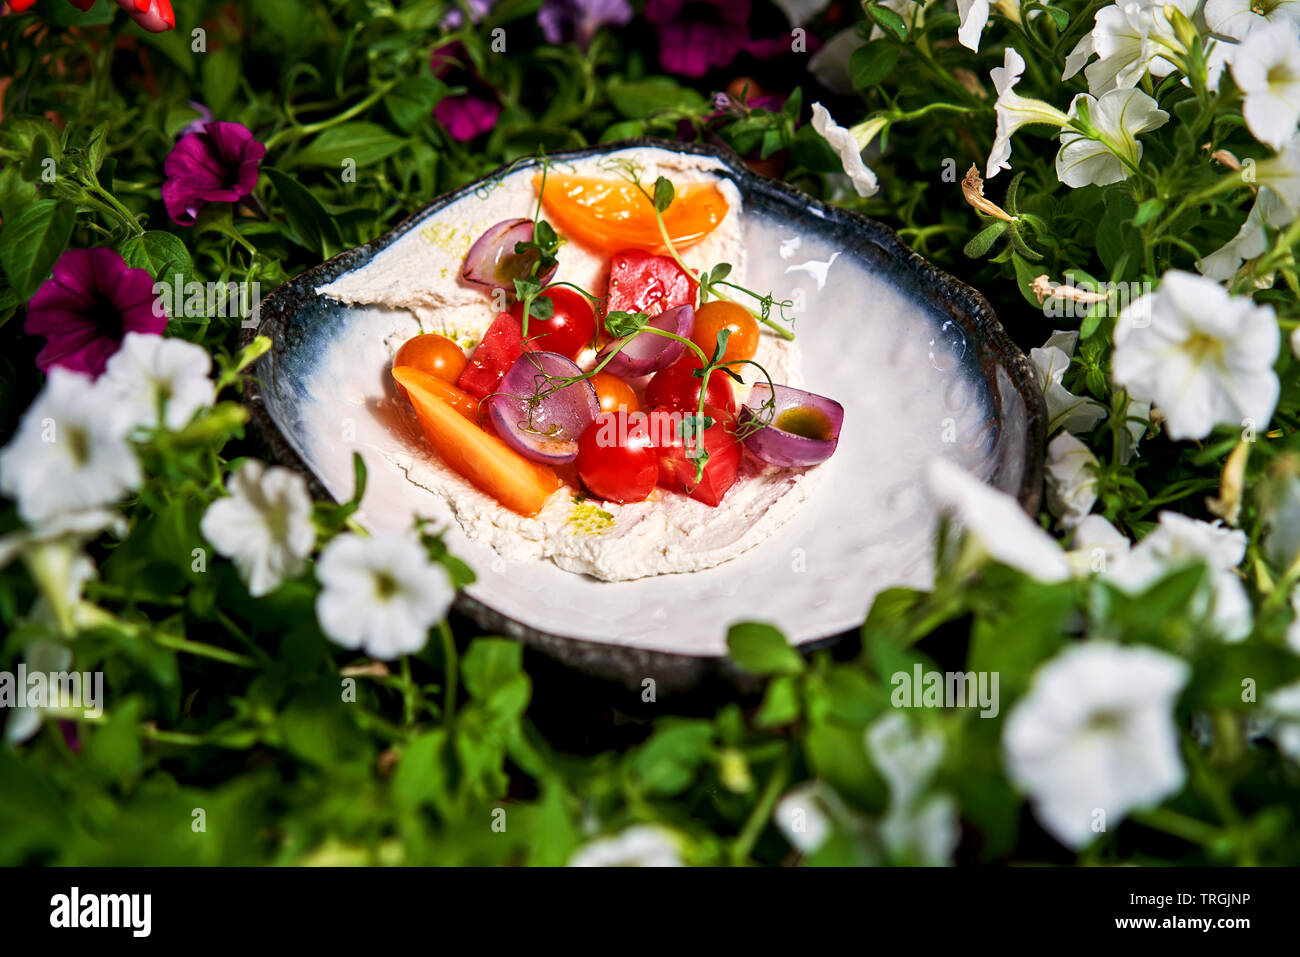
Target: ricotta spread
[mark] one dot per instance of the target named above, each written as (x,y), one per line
(419,273)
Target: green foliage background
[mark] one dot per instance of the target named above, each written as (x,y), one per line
(232,706)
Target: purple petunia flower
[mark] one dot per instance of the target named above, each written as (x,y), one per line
(478,9)
(468,114)
(91,302)
(697,35)
(217,165)
(578,20)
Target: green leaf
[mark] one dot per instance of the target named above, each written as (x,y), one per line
(1115,235)
(1025,276)
(720,348)
(95,148)
(363,143)
(160,254)
(30,244)
(666,764)
(313,228)
(889,21)
(220,79)
(872,62)
(781,704)
(411,102)
(983,241)
(1148,210)
(490,664)
(663,193)
(762,649)
(639,99)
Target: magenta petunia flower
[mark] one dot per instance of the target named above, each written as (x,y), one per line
(217,165)
(467,114)
(578,20)
(697,35)
(91,302)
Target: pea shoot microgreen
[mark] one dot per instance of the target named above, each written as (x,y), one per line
(624,326)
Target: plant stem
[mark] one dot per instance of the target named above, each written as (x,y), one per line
(450,661)
(758,817)
(203,650)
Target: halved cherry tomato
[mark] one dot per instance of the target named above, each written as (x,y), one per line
(643,282)
(502,344)
(718,314)
(616,458)
(571,327)
(677,466)
(437,355)
(603,213)
(677,387)
(462,402)
(614,394)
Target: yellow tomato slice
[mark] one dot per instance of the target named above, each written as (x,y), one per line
(612,214)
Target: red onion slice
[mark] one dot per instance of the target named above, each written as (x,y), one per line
(646,352)
(493,262)
(803,430)
(535,419)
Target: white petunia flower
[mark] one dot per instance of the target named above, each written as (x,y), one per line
(1283,710)
(974,17)
(643,845)
(1137,419)
(799,12)
(1065,410)
(1094,737)
(1293,630)
(51,550)
(1203,357)
(1179,541)
(1276,205)
(997,522)
(1237,18)
(155,372)
(264,526)
(1116,118)
(1281,518)
(380,593)
(71,451)
(45,657)
(1098,546)
(1266,67)
(1130,40)
(916,828)
(1014,111)
(805,814)
(1071,478)
(849,144)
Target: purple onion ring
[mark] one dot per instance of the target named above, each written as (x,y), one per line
(804,428)
(646,352)
(493,262)
(544,429)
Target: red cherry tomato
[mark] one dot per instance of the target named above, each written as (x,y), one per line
(677,387)
(568,331)
(616,458)
(677,466)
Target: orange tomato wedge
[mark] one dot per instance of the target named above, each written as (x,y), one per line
(612,214)
(462,402)
(519,484)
